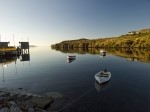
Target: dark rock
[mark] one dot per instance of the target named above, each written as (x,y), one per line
(42,102)
(4,109)
(3,94)
(15,108)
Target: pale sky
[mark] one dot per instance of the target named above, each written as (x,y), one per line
(46,22)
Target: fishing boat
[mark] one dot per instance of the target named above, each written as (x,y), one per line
(102,51)
(102,76)
(71,56)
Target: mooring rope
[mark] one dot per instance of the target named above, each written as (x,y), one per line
(73,101)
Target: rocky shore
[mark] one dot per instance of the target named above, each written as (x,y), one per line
(22,101)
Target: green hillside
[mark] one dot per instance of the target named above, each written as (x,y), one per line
(139,39)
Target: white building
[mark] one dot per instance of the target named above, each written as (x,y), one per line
(133,32)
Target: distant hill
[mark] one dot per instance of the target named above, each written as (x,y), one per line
(32,46)
(140,39)
(145,30)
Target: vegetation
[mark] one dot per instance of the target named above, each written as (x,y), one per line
(138,40)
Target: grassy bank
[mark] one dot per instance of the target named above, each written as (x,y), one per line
(139,40)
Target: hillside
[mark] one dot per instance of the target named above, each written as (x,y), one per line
(139,39)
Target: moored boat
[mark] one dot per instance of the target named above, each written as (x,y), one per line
(71,56)
(102,76)
(102,51)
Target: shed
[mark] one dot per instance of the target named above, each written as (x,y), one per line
(24,45)
(4,44)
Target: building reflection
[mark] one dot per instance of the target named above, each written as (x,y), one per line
(25,57)
(8,60)
(4,62)
(132,59)
(9,55)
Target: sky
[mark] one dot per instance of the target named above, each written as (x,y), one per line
(46,22)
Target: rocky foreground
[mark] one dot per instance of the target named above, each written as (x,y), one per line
(21,101)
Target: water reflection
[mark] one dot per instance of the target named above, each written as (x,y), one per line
(102,54)
(25,57)
(101,87)
(69,60)
(4,64)
(8,60)
(126,90)
(80,50)
(135,54)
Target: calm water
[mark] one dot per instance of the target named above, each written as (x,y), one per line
(48,71)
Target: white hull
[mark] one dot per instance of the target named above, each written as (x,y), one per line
(102,78)
(102,51)
(71,57)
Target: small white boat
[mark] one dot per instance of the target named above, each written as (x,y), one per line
(102,51)
(102,76)
(71,56)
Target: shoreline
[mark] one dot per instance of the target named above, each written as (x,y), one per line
(19,100)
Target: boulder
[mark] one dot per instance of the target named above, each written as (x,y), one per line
(42,102)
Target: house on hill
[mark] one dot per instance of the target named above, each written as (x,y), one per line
(133,32)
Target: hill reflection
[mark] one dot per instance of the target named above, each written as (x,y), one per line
(79,50)
(135,54)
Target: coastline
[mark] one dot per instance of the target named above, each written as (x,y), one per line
(19,100)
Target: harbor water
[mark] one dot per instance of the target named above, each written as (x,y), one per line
(47,71)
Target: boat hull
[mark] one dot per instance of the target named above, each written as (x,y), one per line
(102,79)
(71,57)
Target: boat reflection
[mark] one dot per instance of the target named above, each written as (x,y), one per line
(101,87)
(71,58)
(102,55)
(131,54)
